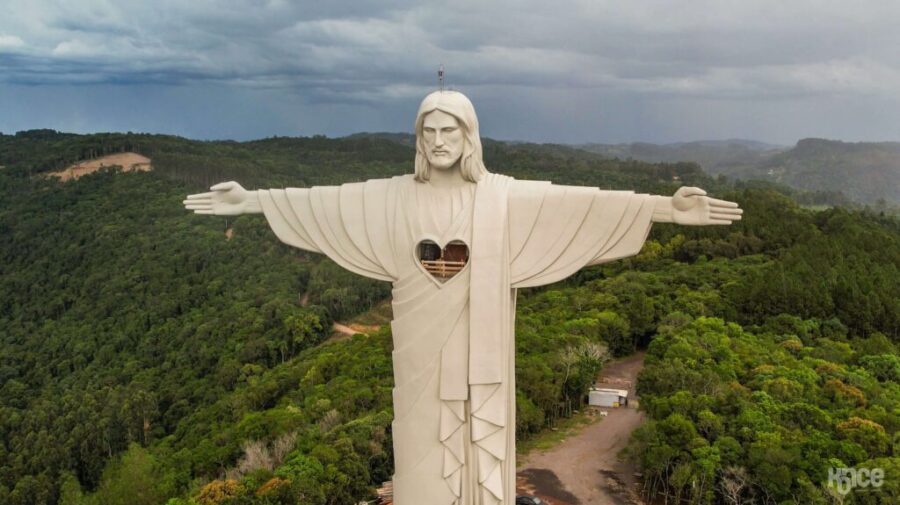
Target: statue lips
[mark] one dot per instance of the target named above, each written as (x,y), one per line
(442,263)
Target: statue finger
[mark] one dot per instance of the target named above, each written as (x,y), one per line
(198,196)
(715,202)
(719,221)
(223,186)
(198,207)
(691,191)
(196,200)
(726,210)
(733,217)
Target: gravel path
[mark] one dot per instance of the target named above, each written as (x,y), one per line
(585,468)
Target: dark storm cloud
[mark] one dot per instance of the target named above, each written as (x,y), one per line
(633,64)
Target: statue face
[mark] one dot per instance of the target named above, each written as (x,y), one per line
(443,138)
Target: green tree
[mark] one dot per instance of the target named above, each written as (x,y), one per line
(137,478)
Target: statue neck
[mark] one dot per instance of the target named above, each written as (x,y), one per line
(447,179)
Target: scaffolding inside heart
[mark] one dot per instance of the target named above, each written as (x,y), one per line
(442,262)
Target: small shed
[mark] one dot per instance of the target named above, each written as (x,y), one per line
(600,397)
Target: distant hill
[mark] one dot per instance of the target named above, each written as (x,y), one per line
(828,172)
(405,139)
(864,171)
(715,156)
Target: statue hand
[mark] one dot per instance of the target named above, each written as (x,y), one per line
(225,199)
(691,206)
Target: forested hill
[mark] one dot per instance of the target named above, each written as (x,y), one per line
(861,172)
(715,156)
(306,161)
(147,356)
(864,171)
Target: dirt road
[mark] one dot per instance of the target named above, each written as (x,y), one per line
(585,468)
(343,331)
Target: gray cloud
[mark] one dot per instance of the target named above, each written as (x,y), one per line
(603,64)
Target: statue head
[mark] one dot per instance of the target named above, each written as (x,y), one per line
(450,137)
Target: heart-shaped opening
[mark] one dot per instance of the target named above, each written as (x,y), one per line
(443,262)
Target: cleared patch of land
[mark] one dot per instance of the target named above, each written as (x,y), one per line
(584,469)
(368,322)
(343,330)
(130,162)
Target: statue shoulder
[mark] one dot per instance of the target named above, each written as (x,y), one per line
(520,187)
(496,180)
(397,180)
(492,178)
(401,180)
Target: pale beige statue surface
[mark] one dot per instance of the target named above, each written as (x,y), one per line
(454,395)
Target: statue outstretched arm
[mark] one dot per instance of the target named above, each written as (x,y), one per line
(691,206)
(347,223)
(224,199)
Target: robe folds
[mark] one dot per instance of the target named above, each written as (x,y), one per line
(454,369)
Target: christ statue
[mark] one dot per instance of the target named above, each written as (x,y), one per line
(456,241)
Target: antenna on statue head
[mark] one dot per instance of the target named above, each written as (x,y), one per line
(441,76)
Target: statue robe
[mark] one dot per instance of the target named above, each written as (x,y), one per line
(454,369)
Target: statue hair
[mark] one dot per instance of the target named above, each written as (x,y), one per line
(457,105)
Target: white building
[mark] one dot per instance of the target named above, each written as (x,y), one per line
(600,397)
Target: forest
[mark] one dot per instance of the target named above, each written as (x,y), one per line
(148,357)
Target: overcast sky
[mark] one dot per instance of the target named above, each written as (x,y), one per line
(539,70)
